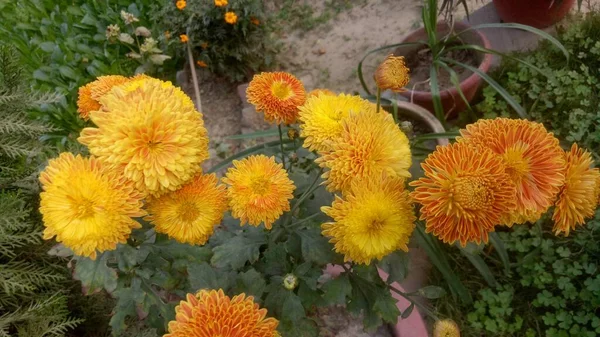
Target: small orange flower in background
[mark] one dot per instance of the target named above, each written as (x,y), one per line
(255,21)
(578,198)
(90,93)
(533,159)
(259,190)
(446,328)
(201,64)
(464,193)
(167,35)
(221,3)
(204,45)
(317,92)
(211,313)
(392,74)
(181,4)
(278,94)
(231,18)
(183,38)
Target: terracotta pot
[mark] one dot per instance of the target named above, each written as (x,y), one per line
(451,100)
(536,13)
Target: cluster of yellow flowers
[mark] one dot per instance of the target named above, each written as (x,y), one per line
(230,17)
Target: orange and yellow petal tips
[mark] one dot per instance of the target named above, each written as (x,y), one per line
(201,64)
(533,159)
(278,94)
(321,118)
(318,92)
(374,218)
(464,193)
(90,93)
(231,18)
(446,328)
(370,144)
(221,3)
(87,204)
(152,130)
(190,213)
(211,313)
(392,74)
(180,4)
(259,190)
(578,198)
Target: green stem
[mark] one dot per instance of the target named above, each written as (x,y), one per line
(313,186)
(395,110)
(378,98)
(281,145)
(421,307)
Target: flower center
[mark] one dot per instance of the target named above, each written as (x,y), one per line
(188,211)
(472,193)
(259,185)
(154,146)
(83,208)
(516,164)
(281,90)
(337,115)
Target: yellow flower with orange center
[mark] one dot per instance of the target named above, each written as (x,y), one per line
(321,118)
(201,64)
(369,144)
(183,38)
(90,94)
(221,3)
(278,94)
(181,4)
(259,190)
(87,204)
(446,328)
(392,74)
(318,92)
(190,214)
(374,219)
(578,198)
(231,18)
(464,193)
(533,159)
(211,313)
(152,130)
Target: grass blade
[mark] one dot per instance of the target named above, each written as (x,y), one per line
(265,133)
(456,83)
(434,136)
(246,152)
(481,266)
(435,95)
(491,51)
(501,250)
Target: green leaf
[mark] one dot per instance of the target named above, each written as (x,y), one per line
(127,299)
(41,75)
(128,257)
(276,296)
(258,134)
(251,283)
(337,290)
(95,274)
(303,328)
(436,96)
(480,265)
(239,250)
(47,46)
(315,247)
(432,292)
(408,311)
(396,265)
(202,276)
(501,250)
(89,20)
(385,306)
(292,308)
(434,136)
(246,152)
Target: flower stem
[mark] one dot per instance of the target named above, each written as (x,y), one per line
(395,110)
(281,145)
(421,307)
(378,98)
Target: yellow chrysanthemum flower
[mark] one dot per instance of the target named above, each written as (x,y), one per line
(190,214)
(392,74)
(446,328)
(374,219)
(320,118)
(87,205)
(259,190)
(464,193)
(221,3)
(533,159)
(211,313)
(370,144)
(578,198)
(278,95)
(90,94)
(152,129)
(318,92)
(181,4)
(231,18)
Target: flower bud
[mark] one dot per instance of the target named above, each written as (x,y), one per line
(143,31)
(392,74)
(446,328)
(290,281)
(292,133)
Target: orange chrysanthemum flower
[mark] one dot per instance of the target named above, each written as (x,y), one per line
(190,214)
(317,92)
(533,159)
(259,190)
(578,198)
(392,74)
(211,313)
(278,94)
(464,193)
(183,38)
(231,18)
(201,64)
(90,94)
(181,4)
(369,144)
(446,328)
(221,3)
(87,204)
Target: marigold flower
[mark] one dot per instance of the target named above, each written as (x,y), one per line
(533,159)
(370,144)
(87,204)
(578,198)
(231,18)
(278,95)
(151,129)
(204,45)
(255,21)
(320,118)
(374,219)
(190,214)
(318,92)
(201,64)
(211,313)
(181,4)
(446,328)
(392,74)
(259,190)
(183,38)
(221,3)
(464,192)
(90,94)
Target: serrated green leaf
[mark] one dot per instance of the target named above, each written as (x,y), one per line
(385,306)
(315,247)
(293,310)
(396,265)
(202,276)
(432,292)
(127,298)
(302,328)
(95,274)
(251,283)
(336,290)
(239,250)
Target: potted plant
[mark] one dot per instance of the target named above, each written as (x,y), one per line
(536,13)
(448,61)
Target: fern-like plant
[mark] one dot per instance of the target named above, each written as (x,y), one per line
(31,301)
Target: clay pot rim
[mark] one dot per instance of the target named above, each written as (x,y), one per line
(423,115)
